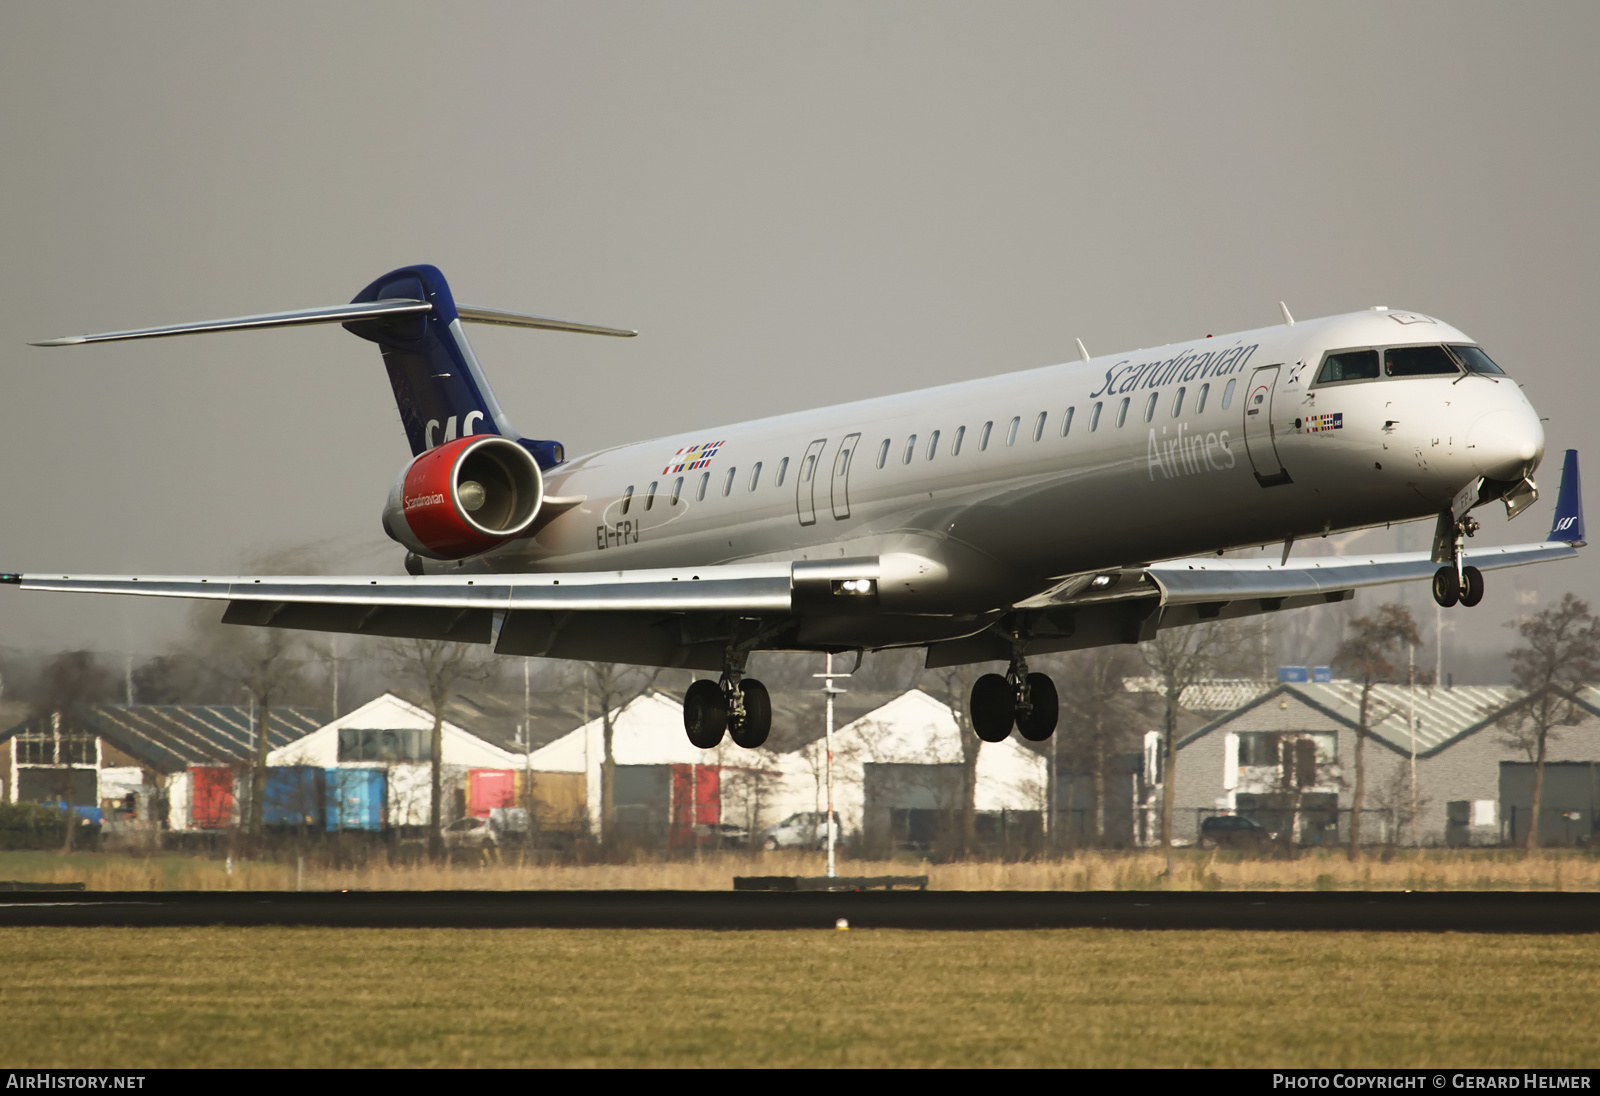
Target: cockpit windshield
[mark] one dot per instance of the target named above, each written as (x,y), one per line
(1349,365)
(1475,360)
(1363,363)
(1418,361)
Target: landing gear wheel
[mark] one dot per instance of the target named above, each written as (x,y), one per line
(752,730)
(1446,589)
(1040,722)
(1472,588)
(705,714)
(993,707)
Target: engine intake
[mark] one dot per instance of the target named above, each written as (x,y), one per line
(464,497)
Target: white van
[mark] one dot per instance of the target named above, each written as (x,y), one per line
(803,830)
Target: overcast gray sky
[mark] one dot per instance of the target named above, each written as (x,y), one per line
(794,204)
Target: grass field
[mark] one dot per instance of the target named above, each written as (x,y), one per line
(1424,869)
(132,998)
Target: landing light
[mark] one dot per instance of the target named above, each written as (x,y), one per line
(855,586)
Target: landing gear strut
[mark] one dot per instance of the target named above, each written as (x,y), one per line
(736,705)
(1455,582)
(1019,699)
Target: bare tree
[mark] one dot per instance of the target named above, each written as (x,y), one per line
(1559,656)
(613,686)
(262,662)
(1370,653)
(956,684)
(1180,658)
(441,666)
(1099,716)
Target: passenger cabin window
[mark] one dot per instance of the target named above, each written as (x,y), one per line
(650,495)
(1227,394)
(1122,410)
(1200,404)
(1038,425)
(677,490)
(1066,421)
(627,498)
(1150,406)
(911,447)
(810,466)
(1094,418)
(983,438)
(727,484)
(883,453)
(1177,402)
(755,475)
(1348,365)
(783,469)
(1011,434)
(933,444)
(1475,360)
(1418,361)
(700,492)
(955,444)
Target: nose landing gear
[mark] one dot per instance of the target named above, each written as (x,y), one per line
(1019,699)
(1455,582)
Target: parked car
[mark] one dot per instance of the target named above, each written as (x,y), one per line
(1234,831)
(802,830)
(723,835)
(504,824)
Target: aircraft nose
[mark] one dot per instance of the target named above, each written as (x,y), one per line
(1506,444)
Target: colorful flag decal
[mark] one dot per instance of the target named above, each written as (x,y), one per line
(1318,423)
(692,457)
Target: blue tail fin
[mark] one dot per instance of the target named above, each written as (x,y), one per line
(438,385)
(1568,525)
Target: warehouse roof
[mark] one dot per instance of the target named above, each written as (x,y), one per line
(171,737)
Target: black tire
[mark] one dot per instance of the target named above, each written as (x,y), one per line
(772,844)
(1472,592)
(1040,723)
(753,729)
(993,707)
(1446,590)
(705,714)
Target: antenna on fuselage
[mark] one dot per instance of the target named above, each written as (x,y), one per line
(1083,355)
(1288,319)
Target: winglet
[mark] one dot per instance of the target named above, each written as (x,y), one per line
(1568,525)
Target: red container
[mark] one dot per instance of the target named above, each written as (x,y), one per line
(211,797)
(488,789)
(696,797)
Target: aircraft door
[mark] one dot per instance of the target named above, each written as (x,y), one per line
(805,483)
(839,489)
(1259,437)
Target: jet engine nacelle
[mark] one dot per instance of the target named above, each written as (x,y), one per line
(464,497)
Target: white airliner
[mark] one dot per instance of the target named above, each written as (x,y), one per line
(1058,508)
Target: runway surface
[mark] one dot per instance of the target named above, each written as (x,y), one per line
(1518,911)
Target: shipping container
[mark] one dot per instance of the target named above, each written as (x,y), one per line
(355,799)
(488,789)
(559,799)
(210,797)
(294,796)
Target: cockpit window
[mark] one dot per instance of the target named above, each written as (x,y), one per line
(1418,361)
(1475,360)
(1349,365)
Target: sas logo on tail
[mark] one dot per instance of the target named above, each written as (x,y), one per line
(1316,424)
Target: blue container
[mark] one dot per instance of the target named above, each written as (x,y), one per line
(1322,673)
(294,796)
(355,799)
(1293,675)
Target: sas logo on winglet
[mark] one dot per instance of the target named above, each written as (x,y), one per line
(691,458)
(1316,424)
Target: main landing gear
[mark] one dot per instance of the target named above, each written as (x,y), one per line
(736,705)
(1020,699)
(1455,582)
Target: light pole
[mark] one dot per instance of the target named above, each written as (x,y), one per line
(829,691)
